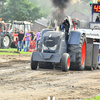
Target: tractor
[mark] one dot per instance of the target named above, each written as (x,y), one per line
(5,38)
(19,25)
(78,52)
(8,26)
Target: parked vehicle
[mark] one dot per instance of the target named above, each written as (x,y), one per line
(8,26)
(5,37)
(19,25)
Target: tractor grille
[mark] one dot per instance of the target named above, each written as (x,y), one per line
(51,41)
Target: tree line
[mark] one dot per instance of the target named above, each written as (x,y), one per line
(20,10)
(34,9)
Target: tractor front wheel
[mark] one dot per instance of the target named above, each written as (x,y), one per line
(65,62)
(33,63)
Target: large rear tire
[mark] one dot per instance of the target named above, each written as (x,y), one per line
(80,52)
(65,62)
(6,41)
(33,63)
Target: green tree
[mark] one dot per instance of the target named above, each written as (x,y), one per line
(45,6)
(2,4)
(21,10)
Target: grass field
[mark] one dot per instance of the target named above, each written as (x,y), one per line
(95,98)
(12,51)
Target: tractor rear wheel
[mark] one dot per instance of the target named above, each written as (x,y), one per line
(33,63)
(80,52)
(6,41)
(65,62)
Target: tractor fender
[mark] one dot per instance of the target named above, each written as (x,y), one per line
(74,37)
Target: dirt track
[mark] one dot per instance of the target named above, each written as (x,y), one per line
(19,82)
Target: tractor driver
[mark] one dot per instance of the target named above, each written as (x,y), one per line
(98,18)
(65,26)
(13,31)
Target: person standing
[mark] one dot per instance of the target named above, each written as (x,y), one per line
(34,35)
(20,40)
(98,18)
(27,40)
(37,38)
(33,40)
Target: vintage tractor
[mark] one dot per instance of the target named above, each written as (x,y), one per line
(19,25)
(8,26)
(54,50)
(5,38)
(78,52)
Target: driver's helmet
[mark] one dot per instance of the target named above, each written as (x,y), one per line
(65,18)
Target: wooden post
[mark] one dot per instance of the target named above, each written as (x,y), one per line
(51,98)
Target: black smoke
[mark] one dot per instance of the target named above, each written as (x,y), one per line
(60,3)
(58,13)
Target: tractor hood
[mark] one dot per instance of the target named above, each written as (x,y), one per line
(53,34)
(50,39)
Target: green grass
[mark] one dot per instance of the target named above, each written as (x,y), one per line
(95,98)
(12,50)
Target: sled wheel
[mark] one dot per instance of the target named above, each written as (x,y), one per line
(65,62)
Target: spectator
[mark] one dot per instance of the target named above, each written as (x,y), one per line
(20,42)
(98,18)
(27,40)
(34,35)
(37,38)
(34,39)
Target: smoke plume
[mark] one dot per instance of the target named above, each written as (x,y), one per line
(60,3)
(59,11)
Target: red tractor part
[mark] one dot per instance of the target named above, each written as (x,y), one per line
(15,38)
(99,52)
(32,46)
(83,53)
(74,24)
(5,37)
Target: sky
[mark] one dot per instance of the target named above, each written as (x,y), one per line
(74,1)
